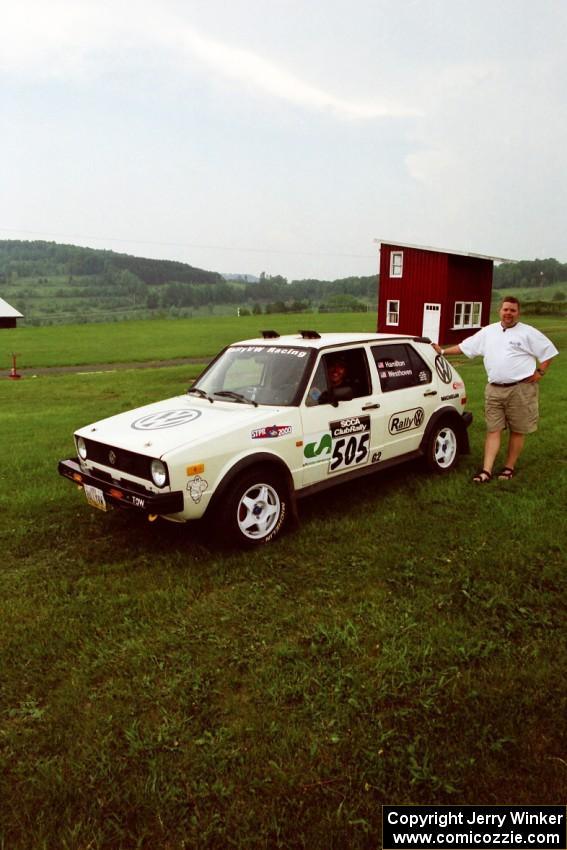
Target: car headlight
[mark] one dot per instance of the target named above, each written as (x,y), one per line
(82,448)
(159,473)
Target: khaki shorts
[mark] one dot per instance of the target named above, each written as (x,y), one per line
(514,407)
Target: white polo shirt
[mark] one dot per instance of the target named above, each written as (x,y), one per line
(510,354)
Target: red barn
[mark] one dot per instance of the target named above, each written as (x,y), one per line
(8,315)
(444,295)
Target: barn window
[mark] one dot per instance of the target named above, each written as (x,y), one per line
(396,263)
(393,313)
(467,314)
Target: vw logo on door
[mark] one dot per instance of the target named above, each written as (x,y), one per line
(443,369)
(165,419)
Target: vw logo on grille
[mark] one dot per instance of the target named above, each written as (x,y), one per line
(112,457)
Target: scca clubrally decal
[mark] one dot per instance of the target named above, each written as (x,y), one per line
(346,444)
(165,419)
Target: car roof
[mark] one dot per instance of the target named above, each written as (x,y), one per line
(313,339)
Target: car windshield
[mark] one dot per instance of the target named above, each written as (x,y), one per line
(256,373)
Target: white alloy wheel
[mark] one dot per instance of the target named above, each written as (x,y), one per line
(258,511)
(445,448)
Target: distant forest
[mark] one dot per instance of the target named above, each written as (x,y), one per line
(51,282)
(31,259)
(526,274)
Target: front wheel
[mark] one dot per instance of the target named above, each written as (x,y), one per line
(254,509)
(442,450)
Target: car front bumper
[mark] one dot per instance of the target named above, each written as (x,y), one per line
(118,495)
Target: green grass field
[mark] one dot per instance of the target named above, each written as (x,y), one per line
(162,339)
(159,339)
(406,644)
(535,293)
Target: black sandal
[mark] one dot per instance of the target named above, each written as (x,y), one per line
(482,477)
(506,474)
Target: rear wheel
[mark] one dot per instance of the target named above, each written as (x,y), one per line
(442,450)
(254,509)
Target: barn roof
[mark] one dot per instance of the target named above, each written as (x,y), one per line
(397,244)
(8,312)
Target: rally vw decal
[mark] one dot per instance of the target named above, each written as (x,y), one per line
(406,420)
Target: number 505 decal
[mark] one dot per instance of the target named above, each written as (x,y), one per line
(349,451)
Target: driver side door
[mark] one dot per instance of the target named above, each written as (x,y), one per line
(337,434)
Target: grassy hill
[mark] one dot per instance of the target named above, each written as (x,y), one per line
(28,260)
(51,283)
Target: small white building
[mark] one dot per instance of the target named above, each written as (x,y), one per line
(8,315)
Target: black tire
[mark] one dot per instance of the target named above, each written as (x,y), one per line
(442,449)
(254,509)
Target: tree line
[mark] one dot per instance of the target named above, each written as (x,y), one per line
(32,259)
(49,278)
(93,274)
(526,274)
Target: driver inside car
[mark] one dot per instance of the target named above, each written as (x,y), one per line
(337,370)
(331,375)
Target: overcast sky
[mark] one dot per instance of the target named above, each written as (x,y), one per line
(285,136)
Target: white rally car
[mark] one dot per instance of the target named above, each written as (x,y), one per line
(273,419)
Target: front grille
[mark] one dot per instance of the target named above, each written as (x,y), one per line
(122,461)
(103,475)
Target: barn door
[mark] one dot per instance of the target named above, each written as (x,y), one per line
(431,321)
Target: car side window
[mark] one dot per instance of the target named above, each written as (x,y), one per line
(318,388)
(339,373)
(399,365)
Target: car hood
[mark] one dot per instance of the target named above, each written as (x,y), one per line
(165,426)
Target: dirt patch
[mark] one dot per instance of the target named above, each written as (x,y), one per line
(32,372)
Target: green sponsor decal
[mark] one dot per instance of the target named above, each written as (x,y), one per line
(313,450)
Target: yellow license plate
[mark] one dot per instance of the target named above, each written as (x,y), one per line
(95,497)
